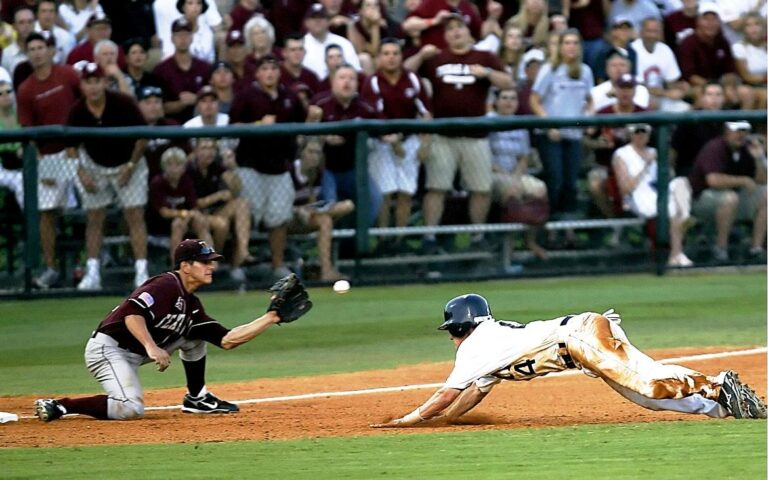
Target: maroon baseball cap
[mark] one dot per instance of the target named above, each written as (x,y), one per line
(98,17)
(91,70)
(181,25)
(626,80)
(193,249)
(235,37)
(317,10)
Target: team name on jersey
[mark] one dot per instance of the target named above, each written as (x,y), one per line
(457,74)
(176,322)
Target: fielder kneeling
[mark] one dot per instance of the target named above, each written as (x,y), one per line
(488,351)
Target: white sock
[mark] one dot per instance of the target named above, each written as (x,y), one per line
(141,265)
(92,266)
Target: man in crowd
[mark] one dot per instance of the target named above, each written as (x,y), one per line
(293,75)
(46,20)
(23,25)
(99,28)
(688,138)
(318,37)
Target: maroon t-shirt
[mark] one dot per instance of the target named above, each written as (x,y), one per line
(84,53)
(47,102)
(169,311)
(678,26)
(341,158)
(270,155)
(406,98)
(120,111)
(163,194)
(456,92)
(590,20)
(306,81)
(240,16)
(175,80)
(710,61)
(435,35)
(716,157)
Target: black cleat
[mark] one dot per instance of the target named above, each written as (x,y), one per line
(48,409)
(207,403)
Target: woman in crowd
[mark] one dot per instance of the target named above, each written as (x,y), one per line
(752,60)
(533,21)
(203,35)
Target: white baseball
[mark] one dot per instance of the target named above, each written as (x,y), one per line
(341,286)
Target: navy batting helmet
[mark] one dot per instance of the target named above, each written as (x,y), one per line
(463,313)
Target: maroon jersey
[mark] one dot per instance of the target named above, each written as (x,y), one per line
(456,92)
(435,35)
(84,53)
(406,98)
(169,311)
(175,80)
(120,111)
(717,157)
(163,194)
(306,81)
(47,102)
(270,155)
(710,61)
(341,158)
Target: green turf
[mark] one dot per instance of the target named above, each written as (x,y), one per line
(382,327)
(666,450)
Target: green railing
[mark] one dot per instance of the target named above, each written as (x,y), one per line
(364,129)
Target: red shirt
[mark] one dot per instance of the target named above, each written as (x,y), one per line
(84,52)
(175,80)
(120,111)
(163,194)
(341,158)
(435,34)
(677,26)
(710,61)
(717,157)
(47,102)
(270,155)
(406,98)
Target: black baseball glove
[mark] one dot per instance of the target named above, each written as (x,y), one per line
(289,299)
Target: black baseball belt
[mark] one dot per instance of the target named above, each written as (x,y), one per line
(563,348)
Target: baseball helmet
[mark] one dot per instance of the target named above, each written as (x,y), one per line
(463,313)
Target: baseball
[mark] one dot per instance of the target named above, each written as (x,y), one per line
(341,286)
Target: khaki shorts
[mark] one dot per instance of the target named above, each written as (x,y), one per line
(524,186)
(270,196)
(131,195)
(56,173)
(393,173)
(710,199)
(471,156)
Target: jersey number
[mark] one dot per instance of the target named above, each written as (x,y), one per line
(525,368)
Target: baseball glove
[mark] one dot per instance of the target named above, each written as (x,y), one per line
(289,299)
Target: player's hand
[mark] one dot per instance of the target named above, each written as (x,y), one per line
(160,356)
(612,315)
(396,423)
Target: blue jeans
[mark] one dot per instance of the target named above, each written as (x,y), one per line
(337,186)
(561,161)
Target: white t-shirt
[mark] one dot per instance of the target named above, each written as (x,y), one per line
(731,10)
(165,13)
(315,56)
(75,21)
(656,68)
(642,200)
(509,351)
(564,96)
(222,120)
(600,98)
(756,57)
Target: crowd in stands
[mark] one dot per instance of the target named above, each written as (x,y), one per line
(105,63)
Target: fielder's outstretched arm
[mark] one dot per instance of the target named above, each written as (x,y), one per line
(468,400)
(438,402)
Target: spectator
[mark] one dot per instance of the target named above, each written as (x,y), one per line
(461,80)
(105,55)
(223,81)
(604,94)
(311,215)
(318,37)
(45,98)
(394,163)
(589,18)
(99,28)
(11,153)
(532,61)
(109,169)
(366,31)
(236,56)
(562,89)
(243,11)
(151,106)
(203,41)
(24,68)
(293,75)
(173,200)
(511,150)
(75,14)
(343,103)
(688,138)
(734,15)
(168,11)
(706,55)
(750,57)
(182,74)
(136,74)
(136,21)
(680,24)
(15,53)
(264,161)
(728,181)
(259,39)
(633,10)
(619,37)
(533,21)
(511,51)
(334,58)
(427,21)
(217,187)
(209,115)
(636,170)
(339,16)
(657,69)
(46,20)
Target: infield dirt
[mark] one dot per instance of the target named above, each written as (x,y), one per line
(553,401)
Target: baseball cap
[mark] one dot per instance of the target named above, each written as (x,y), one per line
(739,126)
(44,36)
(235,37)
(150,91)
(455,15)
(220,64)
(316,10)
(533,55)
(98,17)
(626,80)
(639,128)
(207,91)
(709,7)
(193,249)
(181,25)
(621,21)
(91,70)
(268,58)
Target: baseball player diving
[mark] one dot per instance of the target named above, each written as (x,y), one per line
(489,351)
(161,316)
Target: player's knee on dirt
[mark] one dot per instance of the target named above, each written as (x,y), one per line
(125,409)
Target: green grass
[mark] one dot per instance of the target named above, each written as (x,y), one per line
(666,450)
(383,327)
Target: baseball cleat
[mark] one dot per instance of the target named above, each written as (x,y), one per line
(730,394)
(48,409)
(752,405)
(208,403)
